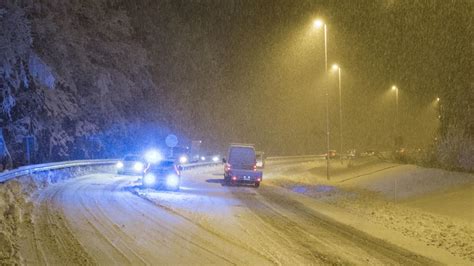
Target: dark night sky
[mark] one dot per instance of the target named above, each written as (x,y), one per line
(252,71)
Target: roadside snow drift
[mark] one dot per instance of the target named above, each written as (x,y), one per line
(17,204)
(430,205)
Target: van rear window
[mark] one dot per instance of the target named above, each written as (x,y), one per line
(242,156)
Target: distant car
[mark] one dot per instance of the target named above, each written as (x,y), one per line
(332,154)
(368,153)
(241,166)
(165,174)
(215,158)
(260,159)
(401,155)
(183,159)
(131,165)
(352,153)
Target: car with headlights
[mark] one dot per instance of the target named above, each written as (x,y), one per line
(352,153)
(332,154)
(240,167)
(131,165)
(164,174)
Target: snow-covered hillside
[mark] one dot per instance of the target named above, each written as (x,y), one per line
(72,76)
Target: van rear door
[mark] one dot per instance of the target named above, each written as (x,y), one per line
(242,158)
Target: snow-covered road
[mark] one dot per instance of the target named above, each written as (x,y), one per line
(107,219)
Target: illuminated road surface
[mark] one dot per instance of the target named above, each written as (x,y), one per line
(106,219)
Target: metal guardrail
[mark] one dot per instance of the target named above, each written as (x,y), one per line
(196,165)
(274,158)
(31,169)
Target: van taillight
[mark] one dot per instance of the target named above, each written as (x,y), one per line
(255,167)
(227,167)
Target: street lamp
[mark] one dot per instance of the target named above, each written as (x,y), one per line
(318,24)
(398,139)
(336,67)
(395,88)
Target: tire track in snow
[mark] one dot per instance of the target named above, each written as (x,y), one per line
(287,230)
(311,225)
(143,214)
(54,241)
(107,221)
(233,242)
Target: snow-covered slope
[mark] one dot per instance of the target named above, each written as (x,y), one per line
(429,205)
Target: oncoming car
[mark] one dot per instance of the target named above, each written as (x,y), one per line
(131,165)
(165,174)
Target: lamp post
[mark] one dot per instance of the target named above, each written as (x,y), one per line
(318,24)
(397,139)
(336,67)
(439,107)
(395,88)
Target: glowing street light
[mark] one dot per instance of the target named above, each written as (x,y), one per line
(437,99)
(335,67)
(318,23)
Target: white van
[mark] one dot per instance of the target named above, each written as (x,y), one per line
(240,167)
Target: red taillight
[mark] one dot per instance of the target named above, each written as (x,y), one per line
(227,167)
(258,179)
(234,178)
(255,167)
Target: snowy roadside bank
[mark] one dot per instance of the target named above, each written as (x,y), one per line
(382,193)
(17,203)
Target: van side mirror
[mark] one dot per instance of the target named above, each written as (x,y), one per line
(224,160)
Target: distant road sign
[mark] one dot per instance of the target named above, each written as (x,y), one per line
(171,141)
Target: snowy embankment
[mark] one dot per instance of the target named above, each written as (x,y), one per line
(16,204)
(431,206)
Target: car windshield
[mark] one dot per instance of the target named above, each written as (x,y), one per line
(162,165)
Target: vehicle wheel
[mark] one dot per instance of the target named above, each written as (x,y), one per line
(257,184)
